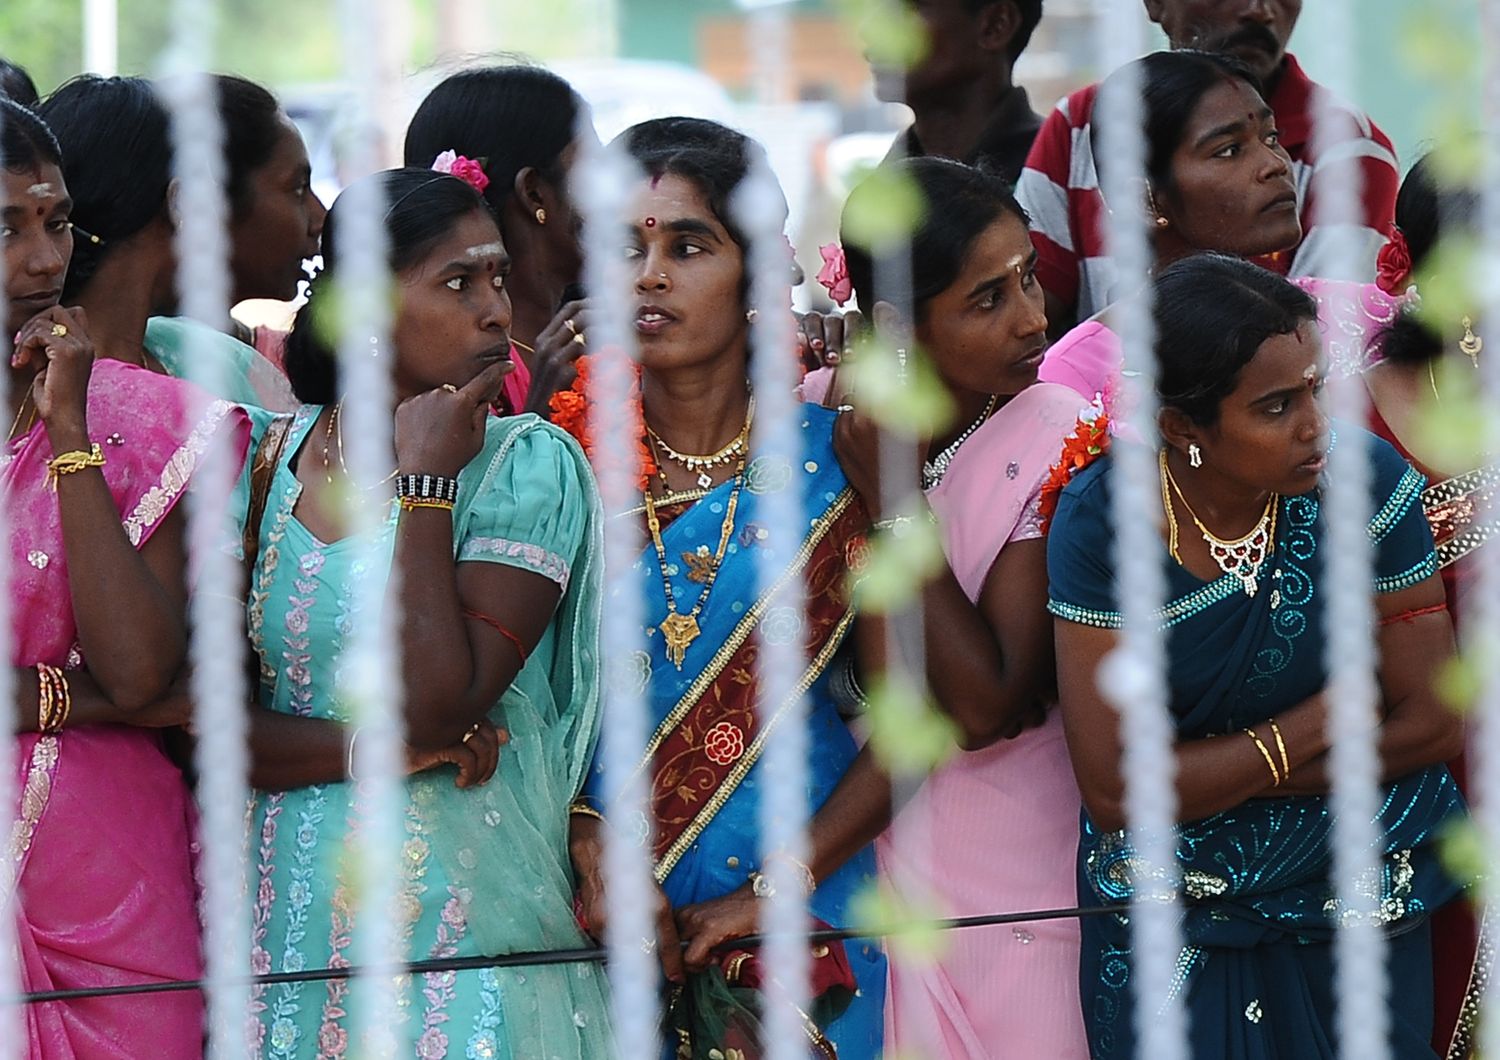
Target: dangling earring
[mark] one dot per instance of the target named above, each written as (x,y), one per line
(541,216)
(750,315)
(1159,220)
(1195,455)
(1471,345)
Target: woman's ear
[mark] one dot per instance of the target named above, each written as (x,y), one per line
(887,318)
(1177,431)
(174,207)
(527,188)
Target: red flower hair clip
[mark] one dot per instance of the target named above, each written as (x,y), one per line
(1393,264)
(465,169)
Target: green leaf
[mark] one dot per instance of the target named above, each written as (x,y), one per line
(912,402)
(898,564)
(911,931)
(1462,849)
(890,30)
(883,211)
(909,735)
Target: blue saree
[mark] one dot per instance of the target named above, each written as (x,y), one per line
(1256,971)
(702,759)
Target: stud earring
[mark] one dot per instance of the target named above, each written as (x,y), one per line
(1195,455)
(1161,222)
(750,315)
(541,216)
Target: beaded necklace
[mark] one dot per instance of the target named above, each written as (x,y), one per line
(933,470)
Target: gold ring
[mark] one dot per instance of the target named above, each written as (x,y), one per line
(473,729)
(570,326)
(578,338)
(59,330)
(450,388)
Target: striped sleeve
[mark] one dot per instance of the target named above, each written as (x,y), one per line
(1044,190)
(1361,151)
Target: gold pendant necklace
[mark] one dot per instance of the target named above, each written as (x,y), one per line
(702,465)
(677,629)
(1242,557)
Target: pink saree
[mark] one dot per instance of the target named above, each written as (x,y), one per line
(994,830)
(100,855)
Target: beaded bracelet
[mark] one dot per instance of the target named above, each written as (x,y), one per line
(72,461)
(427,488)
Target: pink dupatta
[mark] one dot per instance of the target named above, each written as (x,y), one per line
(100,853)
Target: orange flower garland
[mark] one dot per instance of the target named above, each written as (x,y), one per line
(572,410)
(1088,442)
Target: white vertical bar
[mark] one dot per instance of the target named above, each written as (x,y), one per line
(1363,1023)
(777,435)
(12,1035)
(218,675)
(604,181)
(373,669)
(101,37)
(1482,602)
(1133,677)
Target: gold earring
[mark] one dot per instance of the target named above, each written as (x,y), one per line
(541,216)
(1471,345)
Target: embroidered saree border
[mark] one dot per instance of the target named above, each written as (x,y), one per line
(1462,512)
(157,500)
(730,784)
(36,791)
(832,628)
(742,631)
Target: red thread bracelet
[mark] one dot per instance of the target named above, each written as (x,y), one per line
(498,628)
(1416,612)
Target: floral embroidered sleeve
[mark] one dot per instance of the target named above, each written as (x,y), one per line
(530,508)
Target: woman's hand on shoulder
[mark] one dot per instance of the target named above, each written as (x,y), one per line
(438,432)
(56,342)
(857,443)
(554,362)
(477,756)
(823,339)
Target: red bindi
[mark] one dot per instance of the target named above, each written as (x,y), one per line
(650,222)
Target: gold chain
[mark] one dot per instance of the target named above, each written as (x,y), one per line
(701,465)
(678,629)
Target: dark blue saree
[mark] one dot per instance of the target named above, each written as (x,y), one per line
(1256,971)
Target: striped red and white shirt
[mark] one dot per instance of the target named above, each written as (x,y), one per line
(1060,190)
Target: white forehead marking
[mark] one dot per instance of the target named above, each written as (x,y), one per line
(39,191)
(484,250)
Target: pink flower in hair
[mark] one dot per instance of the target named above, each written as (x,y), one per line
(834,275)
(465,169)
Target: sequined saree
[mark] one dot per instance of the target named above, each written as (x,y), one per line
(1255,972)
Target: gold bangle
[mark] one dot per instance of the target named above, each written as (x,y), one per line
(73,460)
(55,701)
(1286,766)
(583,809)
(1266,754)
(411,503)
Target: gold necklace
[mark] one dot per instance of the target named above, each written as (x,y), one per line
(680,630)
(25,397)
(702,465)
(1166,503)
(1432,381)
(1242,557)
(337,429)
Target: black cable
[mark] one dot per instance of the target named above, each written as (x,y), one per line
(542,958)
